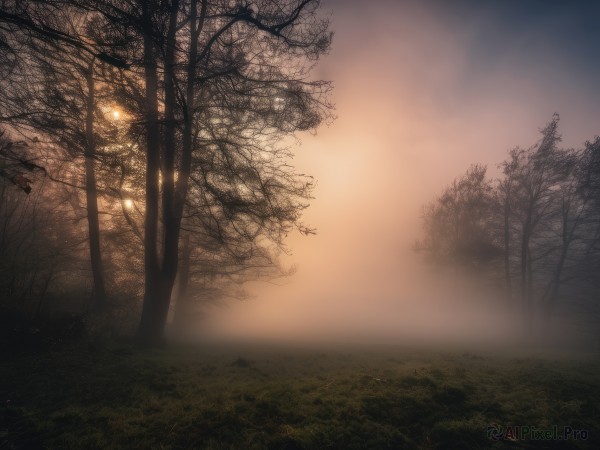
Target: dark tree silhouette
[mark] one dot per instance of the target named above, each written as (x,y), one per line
(210,90)
(290,33)
(538,223)
(458,223)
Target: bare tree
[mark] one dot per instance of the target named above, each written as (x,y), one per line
(541,215)
(54,54)
(210,88)
(458,224)
(292,31)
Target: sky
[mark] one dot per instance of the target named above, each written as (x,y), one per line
(422,90)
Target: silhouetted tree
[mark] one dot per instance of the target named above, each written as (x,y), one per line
(53,54)
(286,34)
(458,224)
(541,216)
(542,172)
(210,89)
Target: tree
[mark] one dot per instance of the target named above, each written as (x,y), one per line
(211,89)
(544,169)
(504,200)
(541,216)
(290,32)
(66,110)
(588,187)
(458,224)
(41,244)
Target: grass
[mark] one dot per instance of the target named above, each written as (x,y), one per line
(114,396)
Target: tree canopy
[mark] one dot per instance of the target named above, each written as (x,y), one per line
(168,122)
(535,227)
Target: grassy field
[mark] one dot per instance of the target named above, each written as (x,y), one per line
(114,396)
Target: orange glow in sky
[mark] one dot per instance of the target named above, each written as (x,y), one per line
(421,92)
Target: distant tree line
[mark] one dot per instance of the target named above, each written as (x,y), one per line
(535,230)
(144,148)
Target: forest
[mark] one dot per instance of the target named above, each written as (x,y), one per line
(532,232)
(145,154)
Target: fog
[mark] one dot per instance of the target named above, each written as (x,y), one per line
(160,284)
(422,90)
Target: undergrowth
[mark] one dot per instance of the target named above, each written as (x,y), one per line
(115,396)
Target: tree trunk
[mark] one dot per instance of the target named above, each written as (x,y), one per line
(160,279)
(99,293)
(183,279)
(181,186)
(551,293)
(170,211)
(153,320)
(530,303)
(525,277)
(507,248)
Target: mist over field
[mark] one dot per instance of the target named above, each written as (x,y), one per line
(439,311)
(422,91)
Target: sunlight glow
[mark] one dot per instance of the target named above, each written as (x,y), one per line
(128,203)
(116,114)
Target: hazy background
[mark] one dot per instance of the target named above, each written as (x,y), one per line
(422,90)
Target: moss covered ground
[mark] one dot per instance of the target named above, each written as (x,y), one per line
(115,396)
